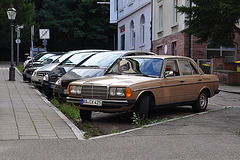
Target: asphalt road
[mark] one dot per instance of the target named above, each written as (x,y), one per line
(212,135)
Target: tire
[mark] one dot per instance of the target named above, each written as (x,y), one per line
(85,115)
(143,106)
(202,102)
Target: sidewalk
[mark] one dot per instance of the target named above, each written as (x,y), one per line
(231,89)
(24,114)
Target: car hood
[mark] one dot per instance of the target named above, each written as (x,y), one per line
(117,80)
(80,73)
(48,67)
(60,70)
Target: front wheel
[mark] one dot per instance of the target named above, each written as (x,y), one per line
(202,102)
(85,115)
(143,106)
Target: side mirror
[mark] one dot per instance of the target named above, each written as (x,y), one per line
(168,74)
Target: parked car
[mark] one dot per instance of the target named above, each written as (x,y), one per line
(28,71)
(93,67)
(142,83)
(39,59)
(37,76)
(50,79)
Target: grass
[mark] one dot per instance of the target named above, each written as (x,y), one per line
(67,109)
(20,68)
(74,114)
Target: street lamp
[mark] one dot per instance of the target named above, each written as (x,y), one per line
(11,12)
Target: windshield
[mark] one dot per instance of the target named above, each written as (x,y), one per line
(76,58)
(139,66)
(102,60)
(44,57)
(50,59)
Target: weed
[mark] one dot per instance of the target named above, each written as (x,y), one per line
(164,119)
(138,121)
(115,129)
(89,129)
(154,121)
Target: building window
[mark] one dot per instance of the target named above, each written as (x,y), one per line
(174,48)
(228,53)
(160,22)
(142,30)
(132,35)
(121,5)
(175,17)
(130,2)
(159,50)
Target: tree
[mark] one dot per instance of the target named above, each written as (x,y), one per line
(213,21)
(25,13)
(76,24)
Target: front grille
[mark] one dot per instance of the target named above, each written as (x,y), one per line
(95,92)
(41,74)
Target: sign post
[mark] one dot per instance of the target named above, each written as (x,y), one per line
(32,36)
(18,41)
(44,34)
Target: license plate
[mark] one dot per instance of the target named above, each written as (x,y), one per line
(64,91)
(93,102)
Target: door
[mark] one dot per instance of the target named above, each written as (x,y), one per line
(173,89)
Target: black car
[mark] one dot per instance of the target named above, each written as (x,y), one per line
(49,80)
(95,66)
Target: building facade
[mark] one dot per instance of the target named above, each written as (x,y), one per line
(169,36)
(133,19)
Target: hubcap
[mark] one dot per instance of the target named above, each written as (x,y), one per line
(202,101)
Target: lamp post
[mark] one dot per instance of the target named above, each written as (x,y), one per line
(11,12)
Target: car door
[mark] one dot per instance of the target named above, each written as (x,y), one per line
(192,79)
(172,86)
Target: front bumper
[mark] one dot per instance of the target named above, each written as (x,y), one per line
(36,80)
(107,105)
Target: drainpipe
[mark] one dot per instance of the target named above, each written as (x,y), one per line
(190,36)
(151,23)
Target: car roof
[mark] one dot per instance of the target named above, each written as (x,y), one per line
(159,56)
(133,52)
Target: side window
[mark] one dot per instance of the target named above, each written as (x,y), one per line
(171,68)
(187,68)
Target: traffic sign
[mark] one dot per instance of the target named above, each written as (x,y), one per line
(44,33)
(18,40)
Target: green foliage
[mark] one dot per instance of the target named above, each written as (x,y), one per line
(115,129)
(67,109)
(213,21)
(76,24)
(138,121)
(20,68)
(25,13)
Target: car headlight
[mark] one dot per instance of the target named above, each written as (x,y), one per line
(120,92)
(75,90)
(58,82)
(45,78)
(34,73)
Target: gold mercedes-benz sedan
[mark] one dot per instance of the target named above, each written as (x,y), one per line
(141,83)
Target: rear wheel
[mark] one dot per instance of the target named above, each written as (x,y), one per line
(85,115)
(202,102)
(143,106)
